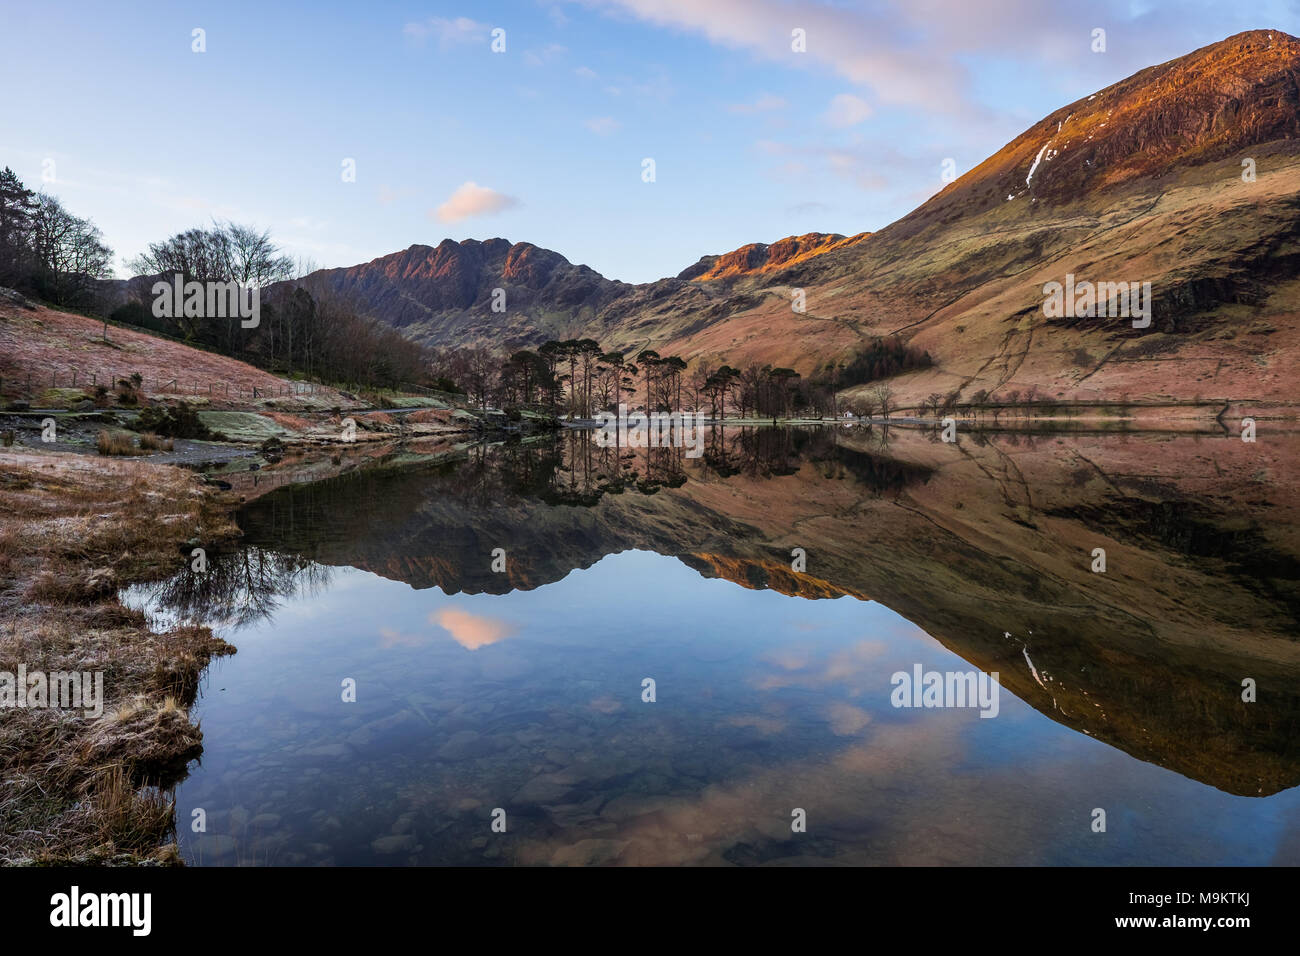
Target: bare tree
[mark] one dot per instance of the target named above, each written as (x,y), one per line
(481,371)
(699,380)
(69,253)
(884,397)
(254,260)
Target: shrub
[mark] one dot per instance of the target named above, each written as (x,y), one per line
(128,393)
(273,449)
(116,443)
(178,421)
(151,442)
(444,384)
(137,314)
(880,358)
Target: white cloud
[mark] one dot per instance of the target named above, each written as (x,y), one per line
(603,125)
(389,195)
(870,49)
(308,223)
(914,53)
(764,104)
(547,54)
(470,200)
(870,166)
(856,168)
(847,110)
(448,32)
(807,208)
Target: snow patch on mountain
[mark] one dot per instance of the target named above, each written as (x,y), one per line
(1037,160)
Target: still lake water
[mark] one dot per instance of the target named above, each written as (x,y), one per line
(522,689)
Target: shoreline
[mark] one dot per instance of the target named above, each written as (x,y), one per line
(77,529)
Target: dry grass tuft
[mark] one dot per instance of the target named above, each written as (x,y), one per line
(116,443)
(430,416)
(295,423)
(75,788)
(151,442)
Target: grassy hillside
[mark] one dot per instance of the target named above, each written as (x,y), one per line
(64,351)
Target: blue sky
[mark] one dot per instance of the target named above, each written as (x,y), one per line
(751,140)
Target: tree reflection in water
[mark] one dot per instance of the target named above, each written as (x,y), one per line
(239,587)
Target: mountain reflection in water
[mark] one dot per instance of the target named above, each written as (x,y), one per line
(521,690)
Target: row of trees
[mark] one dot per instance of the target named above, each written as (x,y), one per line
(880,358)
(224,252)
(46,251)
(576,378)
(303,328)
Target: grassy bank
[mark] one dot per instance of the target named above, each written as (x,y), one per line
(73,529)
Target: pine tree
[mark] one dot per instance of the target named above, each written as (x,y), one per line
(17,204)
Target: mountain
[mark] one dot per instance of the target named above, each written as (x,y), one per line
(1145,181)
(444,294)
(759,257)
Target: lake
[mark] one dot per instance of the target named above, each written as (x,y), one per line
(568,654)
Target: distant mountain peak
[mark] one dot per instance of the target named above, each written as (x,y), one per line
(446,291)
(1201,107)
(760,257)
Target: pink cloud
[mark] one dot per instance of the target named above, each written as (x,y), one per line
(470,630)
